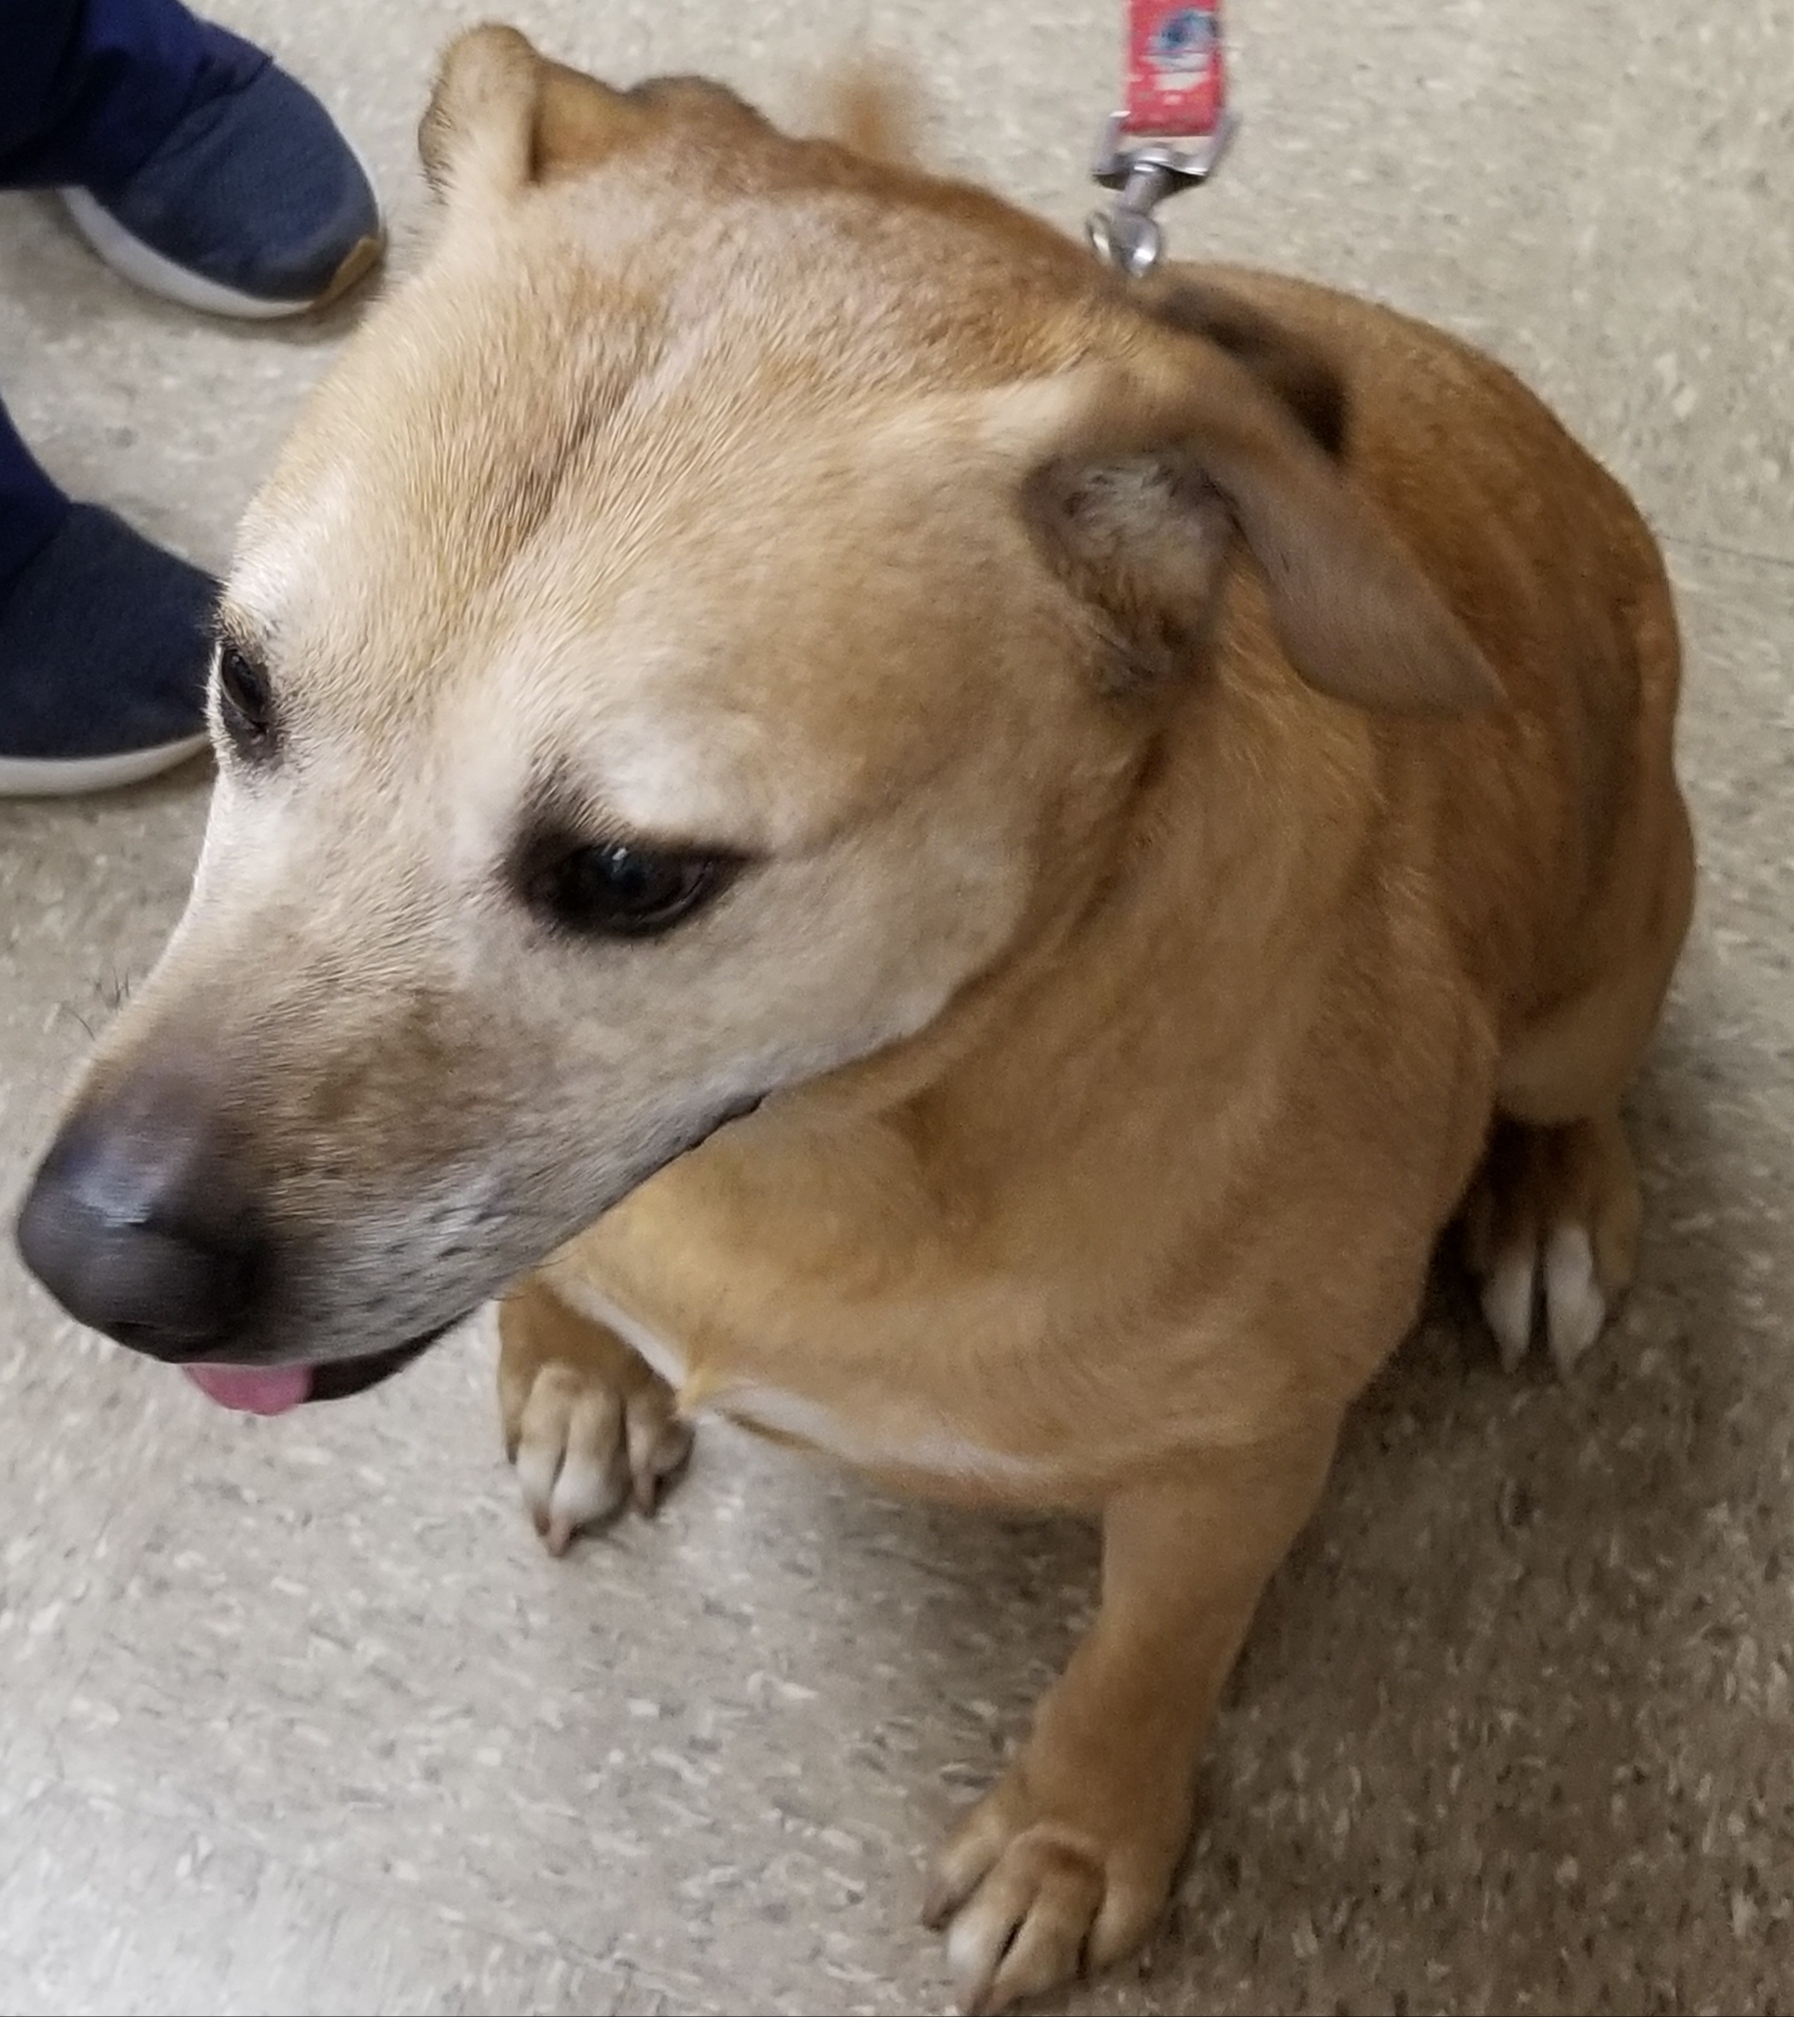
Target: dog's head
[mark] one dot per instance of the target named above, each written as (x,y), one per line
(696,640)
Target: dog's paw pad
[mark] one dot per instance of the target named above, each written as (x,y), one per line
(1507,1304)
(589,1427)
(584,1451)
(1028,1903)
(1551,1231)
(1575,1308)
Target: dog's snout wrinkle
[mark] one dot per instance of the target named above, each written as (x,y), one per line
(137,1225)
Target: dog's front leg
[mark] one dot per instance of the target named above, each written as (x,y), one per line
(588,1423)
(1069,1861)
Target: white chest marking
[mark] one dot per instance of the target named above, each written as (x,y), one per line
(894,1438)
(667,1360)
(910,1443)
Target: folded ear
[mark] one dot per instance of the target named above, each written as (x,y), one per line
(1289,365)
(503,116)
(479,127)
(871,105)
(1139,477)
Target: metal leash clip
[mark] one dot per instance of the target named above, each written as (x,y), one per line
(1127,234)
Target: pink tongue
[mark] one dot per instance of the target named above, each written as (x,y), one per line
(257,1390)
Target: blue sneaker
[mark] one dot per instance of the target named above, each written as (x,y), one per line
(253,205)
(105,644)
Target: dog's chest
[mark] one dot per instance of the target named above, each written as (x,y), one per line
(885,1431)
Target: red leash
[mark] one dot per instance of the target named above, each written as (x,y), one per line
(1172,131)
(1176,68)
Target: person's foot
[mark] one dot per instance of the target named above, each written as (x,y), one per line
(254,205)
(105,641)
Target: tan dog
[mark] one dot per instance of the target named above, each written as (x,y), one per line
(1148,789)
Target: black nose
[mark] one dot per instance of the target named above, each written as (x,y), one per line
(136,1224)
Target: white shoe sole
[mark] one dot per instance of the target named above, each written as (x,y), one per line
(145,267)
(73,777)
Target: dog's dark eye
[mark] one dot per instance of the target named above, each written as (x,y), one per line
(625,892)
(246,704)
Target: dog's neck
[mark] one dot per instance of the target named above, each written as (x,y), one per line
(1189,907)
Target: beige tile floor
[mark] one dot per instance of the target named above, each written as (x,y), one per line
(297,1716)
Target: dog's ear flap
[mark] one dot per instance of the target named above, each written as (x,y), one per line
(872,106)
(1289,365)
(1138,477)
(503,116)
(479,127)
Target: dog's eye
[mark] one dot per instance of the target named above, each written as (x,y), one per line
(625,892)
(247,705)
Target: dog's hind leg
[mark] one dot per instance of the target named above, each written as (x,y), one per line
(588,1423)
(1551,1222)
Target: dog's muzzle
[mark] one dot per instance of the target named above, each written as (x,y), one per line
(140,1225)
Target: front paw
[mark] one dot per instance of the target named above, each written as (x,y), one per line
(1032,1894)
(588,1424)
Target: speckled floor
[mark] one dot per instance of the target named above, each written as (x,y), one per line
(298,1716)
